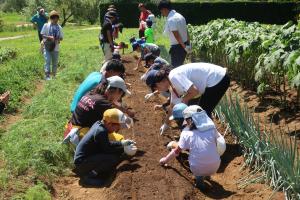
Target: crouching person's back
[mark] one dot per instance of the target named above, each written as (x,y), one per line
(96,158)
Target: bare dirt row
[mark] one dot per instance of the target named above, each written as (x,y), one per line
(143,177)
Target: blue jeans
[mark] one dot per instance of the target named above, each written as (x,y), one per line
(51,57)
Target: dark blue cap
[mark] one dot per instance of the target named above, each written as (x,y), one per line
(135,45)
(151,78)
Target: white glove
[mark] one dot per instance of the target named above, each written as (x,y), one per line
(171,145)
(188,49)
(128,122)
(144,77)
(148,96)
(163,128)
(130,150)
(127,142)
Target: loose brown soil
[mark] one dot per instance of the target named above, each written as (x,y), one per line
(270,112)
(143,177)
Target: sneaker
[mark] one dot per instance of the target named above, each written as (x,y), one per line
(48,78)
(200,183)
(93,181)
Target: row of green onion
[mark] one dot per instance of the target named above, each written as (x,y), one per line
(272,157)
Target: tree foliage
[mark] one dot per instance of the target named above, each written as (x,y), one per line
(77,10)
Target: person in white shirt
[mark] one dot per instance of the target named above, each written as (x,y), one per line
(189,82)
(52,36)
(200,138)
(176,29)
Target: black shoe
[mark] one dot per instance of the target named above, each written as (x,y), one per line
(92,181)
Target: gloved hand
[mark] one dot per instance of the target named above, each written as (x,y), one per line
(148,96)
(143,77)
(163,128)
(127,142)
(188,49)
(130,150)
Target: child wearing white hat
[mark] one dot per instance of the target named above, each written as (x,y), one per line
(202,140)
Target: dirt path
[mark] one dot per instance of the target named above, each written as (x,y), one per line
(14,37)
(143,178)
(91,28)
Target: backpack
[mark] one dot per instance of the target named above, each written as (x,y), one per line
(49,45)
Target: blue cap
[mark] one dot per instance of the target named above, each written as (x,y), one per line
(151,78)
(177,112)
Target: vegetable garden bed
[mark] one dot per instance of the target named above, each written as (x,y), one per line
(258,56)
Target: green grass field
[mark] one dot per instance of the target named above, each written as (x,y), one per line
(13,18)
(34,143)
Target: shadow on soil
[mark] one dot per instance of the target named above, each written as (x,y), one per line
(216,191)
(232,151)
(212,189)
(126,165)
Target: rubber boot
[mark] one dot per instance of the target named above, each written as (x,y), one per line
(200,183)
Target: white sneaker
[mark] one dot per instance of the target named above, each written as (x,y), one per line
(48,78)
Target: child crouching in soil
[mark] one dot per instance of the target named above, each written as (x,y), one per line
(96,157)
(200,138)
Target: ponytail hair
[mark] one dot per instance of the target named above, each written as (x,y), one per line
(162,73)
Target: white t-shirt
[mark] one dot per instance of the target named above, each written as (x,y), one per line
(46,31)
(204,158)
(201,75)
(176,22)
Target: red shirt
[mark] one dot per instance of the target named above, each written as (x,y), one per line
(144,15)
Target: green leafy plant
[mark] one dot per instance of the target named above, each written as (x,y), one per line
(258,56)
(6,54)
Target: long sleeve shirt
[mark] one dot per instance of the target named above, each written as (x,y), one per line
(96,141)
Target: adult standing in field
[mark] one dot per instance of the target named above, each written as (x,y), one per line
(176,29)
(38,20)
(52,36)
(106,35)
(117,26)
(142,20)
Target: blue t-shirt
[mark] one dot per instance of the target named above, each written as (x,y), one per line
(87,85)
(40,20)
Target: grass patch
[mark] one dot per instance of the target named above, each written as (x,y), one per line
(38,192)
(13,18)
(32,147)
(6,54)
